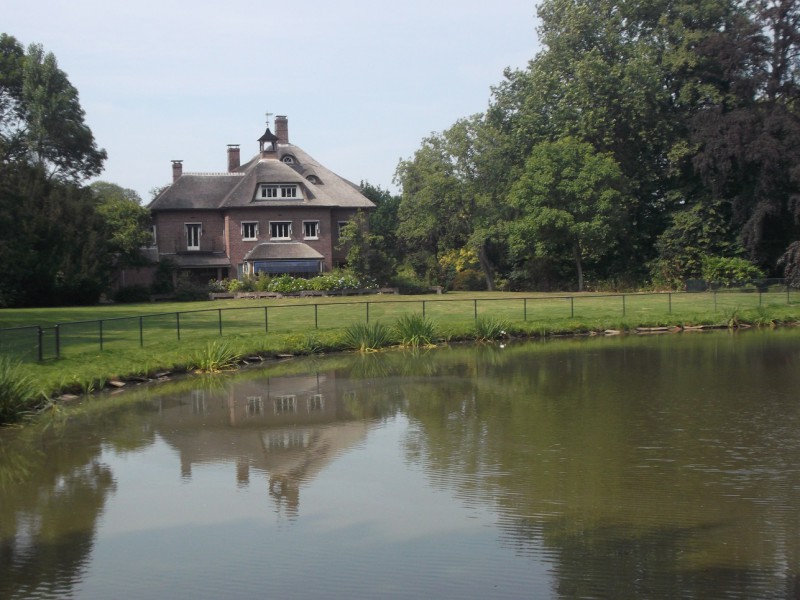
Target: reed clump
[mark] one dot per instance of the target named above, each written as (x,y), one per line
(367,337)
(415,331)
(215,356)
(19,395)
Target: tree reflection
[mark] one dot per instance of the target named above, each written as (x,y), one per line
(621,466)
(47,520)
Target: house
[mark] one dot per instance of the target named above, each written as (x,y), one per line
(280,212)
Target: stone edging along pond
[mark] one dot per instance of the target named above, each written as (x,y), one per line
(126,382)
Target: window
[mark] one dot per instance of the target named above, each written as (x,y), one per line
(314,179)
(311,230)
(288,159)
(193,232)
(249,230)
(286,404)
(341,225)
(269,191)
(280,230)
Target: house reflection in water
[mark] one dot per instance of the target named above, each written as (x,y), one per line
(286,429)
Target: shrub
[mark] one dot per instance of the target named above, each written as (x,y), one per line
(186,290)
(415,331)
(132,293)
(489,328)
(218,286)
(217,355)
(468,280)
(18,393)
(366,337)
(728,271)
(408,283)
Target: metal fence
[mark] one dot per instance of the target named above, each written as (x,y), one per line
(37,343)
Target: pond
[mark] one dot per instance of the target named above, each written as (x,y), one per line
(623,467)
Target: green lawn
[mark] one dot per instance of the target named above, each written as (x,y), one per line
(141,338)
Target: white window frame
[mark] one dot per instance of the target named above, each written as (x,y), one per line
(289,191)
(268,192)
(249,238)
(275,228)
(316,230)
(283,191)
(198,228)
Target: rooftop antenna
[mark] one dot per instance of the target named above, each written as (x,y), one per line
(269,114)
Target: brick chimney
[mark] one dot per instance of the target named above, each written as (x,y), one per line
(177,170)
(282,129)
(233,157)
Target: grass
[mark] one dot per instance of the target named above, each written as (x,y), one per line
(490,328)
(367,337)
(415,331)
(215,356)
(19,395)
(145,339)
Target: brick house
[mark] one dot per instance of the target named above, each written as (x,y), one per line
(280,212)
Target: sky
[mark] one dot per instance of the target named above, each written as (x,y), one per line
(362,82)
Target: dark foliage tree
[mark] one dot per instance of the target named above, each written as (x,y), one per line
(747,124)
(55,242)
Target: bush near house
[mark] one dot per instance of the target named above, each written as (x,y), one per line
(286,284)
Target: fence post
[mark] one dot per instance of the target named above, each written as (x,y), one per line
(141,333)
(623,305)
(669,294)
(572,307)
(178,324)
(266,321)
(524,309)
(316,319)
(58,340)
(219,310)
(475,309)
(41,343)
(101,334)
(367,303)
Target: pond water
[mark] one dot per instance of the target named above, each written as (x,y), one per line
(627,467)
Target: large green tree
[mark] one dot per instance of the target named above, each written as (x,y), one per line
(452,191)
(126,221)
(55,234)
(41,119)
(570,200)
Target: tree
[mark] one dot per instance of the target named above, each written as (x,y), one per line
(41,119)
(366,255)
(570,199)
(54,241)
(700,230)
(54,247)
(127,222)
(451,197)
(747,125)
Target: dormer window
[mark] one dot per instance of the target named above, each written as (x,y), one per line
(288,159)
(274,191)
(314,179)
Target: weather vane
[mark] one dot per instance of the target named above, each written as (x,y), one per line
(269,114)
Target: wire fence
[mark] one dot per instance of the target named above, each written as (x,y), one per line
(38,343)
